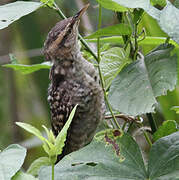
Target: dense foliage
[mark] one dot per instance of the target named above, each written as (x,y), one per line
(133,78)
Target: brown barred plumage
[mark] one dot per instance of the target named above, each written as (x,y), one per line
(73,81)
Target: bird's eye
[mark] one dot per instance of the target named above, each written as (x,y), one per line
(76,15)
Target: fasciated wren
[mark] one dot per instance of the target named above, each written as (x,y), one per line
(73,81)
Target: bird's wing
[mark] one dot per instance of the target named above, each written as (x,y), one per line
(60,105)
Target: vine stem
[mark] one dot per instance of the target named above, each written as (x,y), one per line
(152,122)
(100,73)
(97,58)
(147,138)
(53,173)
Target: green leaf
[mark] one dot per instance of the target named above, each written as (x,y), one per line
(112,62)
(167,17)
(37,164)
(99,161)
(118,29)
(117,156)
(135,89)
(46,148)
(164,158)
(32,130)
(175,108)
(176,3)
(48,2)
(161,3)
(23,176)
(133,4)
(147,41)
(13,11)
(144,4)
(50,135)
(60,139)
(11,160)
(169,21)
(110,4)
(27,69)
(167,128)
(137,15)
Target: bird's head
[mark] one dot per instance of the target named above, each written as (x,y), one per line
(62,40)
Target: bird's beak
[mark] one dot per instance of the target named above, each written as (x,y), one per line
(81,12)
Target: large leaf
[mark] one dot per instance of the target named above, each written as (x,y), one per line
(167,17)
(112,62)
(27,69)
(168,21)
(176,3)
(110,4)
(99,161)
(13,11)
(161,3)
(134,4)
(147,41)
(119,158)
(167,128)
(135,89)
(118,29)
(164,158)
(11,160)
(23,176)
(48,2)
(144,4)
(37,164)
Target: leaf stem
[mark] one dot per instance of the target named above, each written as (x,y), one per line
(99,26)
(100,73)
(147,138)
(152,122)
(53,173)
(135,42)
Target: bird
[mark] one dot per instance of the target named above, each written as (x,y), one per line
(74,81)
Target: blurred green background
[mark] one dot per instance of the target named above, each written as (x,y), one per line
(24,97)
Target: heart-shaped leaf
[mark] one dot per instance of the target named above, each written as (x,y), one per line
(118,29)
(23,176)
(117,156)
(110,4)
(164,158)
(37,164)
(135,89)
(112,62)
(101,161)
(11,160)
(13,11)
(169,21)
(167,128)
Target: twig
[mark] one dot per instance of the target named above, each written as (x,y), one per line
(152,122)
(100,73)
(122,116)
